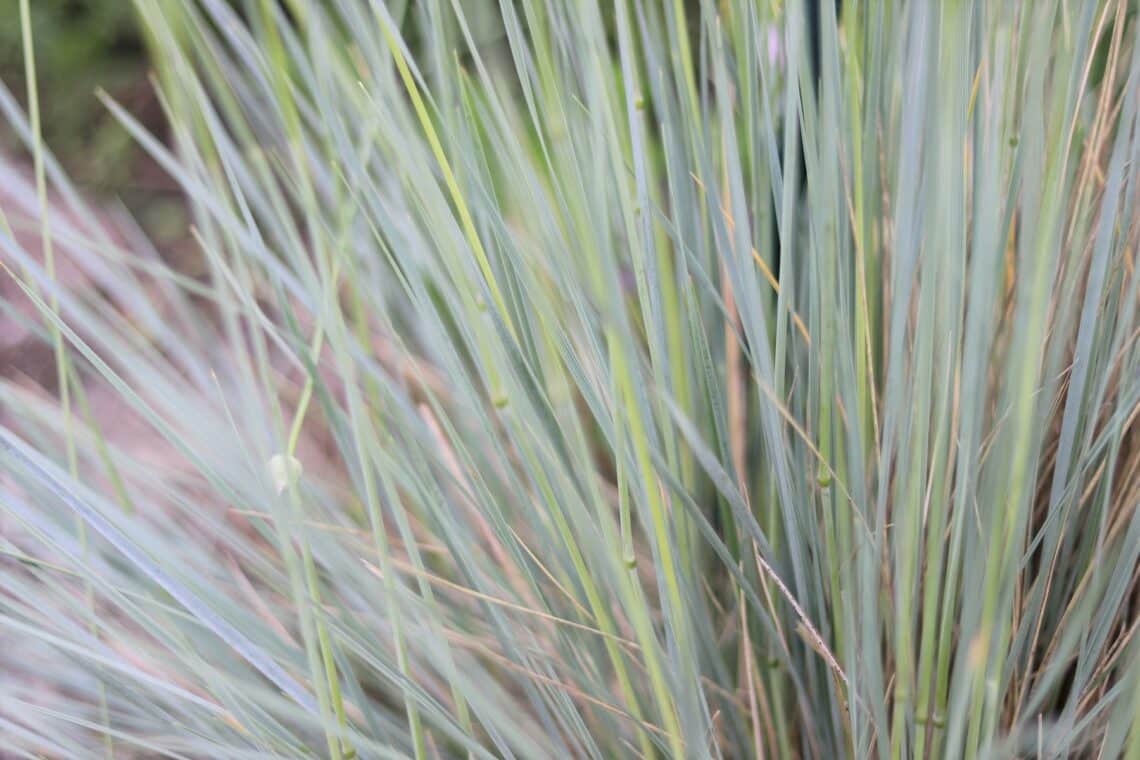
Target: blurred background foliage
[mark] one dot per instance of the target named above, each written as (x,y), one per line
(81,45)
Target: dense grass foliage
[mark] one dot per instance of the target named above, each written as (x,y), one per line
(494,430)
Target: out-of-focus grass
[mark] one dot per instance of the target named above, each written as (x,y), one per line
(494,430)
(81,46)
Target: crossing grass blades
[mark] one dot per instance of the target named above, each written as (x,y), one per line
(492,428)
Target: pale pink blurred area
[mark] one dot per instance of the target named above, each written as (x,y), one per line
(82,237)
(775,46)
(21,354)
(90,247)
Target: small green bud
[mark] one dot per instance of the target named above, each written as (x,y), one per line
(284,470)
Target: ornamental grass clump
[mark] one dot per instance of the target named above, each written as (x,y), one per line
(577,379)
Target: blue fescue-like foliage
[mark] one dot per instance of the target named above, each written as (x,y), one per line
(494,429)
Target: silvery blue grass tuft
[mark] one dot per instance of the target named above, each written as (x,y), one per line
(491,426)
